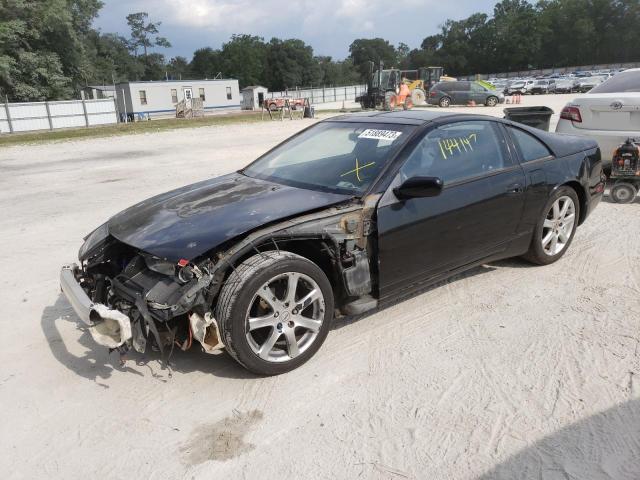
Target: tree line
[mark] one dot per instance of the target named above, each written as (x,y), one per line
(50,50)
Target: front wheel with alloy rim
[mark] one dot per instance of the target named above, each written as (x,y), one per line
(445,102)
(556,228)
(275,311)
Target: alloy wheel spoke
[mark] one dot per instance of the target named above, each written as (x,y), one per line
(292,343)
(308,323)
(268,297)
(292,286)
(547,238)
(562,235)
(556,210)
(548,223)
(554,244)
(309,298)
(267,346)
(569,219)
(565,209)
(261,322)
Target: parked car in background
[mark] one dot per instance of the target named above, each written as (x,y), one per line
(610,113)
(543,86)
(445,94)
(565,85)
(587,83)
(522,87)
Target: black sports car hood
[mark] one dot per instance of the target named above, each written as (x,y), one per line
(188,222)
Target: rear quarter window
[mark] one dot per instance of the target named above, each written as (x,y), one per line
(530,147)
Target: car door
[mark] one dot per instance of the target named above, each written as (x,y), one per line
(475,215)
(538,164)
(478,93)
(461,93)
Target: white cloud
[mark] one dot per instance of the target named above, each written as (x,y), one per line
(235,16)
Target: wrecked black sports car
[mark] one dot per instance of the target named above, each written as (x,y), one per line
(339,219)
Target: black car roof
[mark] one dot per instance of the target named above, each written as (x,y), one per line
(404,117)
(561,144)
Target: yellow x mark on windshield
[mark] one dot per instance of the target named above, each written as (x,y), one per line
(357,169)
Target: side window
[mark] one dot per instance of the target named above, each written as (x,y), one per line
(201,94)
(530,147)
(143,97)
(457,151)
(174,95)
(228,93)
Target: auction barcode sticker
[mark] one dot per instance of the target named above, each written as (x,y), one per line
(390,135)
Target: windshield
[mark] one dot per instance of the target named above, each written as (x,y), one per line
(337,157)
(384,79)
(620,83)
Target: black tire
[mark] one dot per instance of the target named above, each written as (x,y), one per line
(536,253)
(238,292)
(492,101)
(444,102)
(623,192)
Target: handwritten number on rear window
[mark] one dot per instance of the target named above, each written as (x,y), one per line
(457,145)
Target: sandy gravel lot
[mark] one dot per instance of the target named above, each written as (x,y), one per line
(509,371)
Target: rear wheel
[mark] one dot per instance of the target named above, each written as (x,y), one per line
(445,102)
(623,192)
(491,102)
(275,311)
(557,226)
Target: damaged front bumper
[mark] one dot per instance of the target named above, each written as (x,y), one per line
(113,329)
(110,328)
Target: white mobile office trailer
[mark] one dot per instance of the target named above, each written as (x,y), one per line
(159,98)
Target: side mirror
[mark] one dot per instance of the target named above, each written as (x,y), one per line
(419,187)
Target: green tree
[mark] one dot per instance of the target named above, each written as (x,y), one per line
(290,63)
(365,50)
(244,57)
(42,47)
(206,63)
(178,68)
(144,34)
(337,73)
(402,55)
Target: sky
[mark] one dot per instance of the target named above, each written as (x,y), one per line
(329,26)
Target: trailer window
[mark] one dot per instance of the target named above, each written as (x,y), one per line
(174,95)
(201,94)
(143,97)
(228,93)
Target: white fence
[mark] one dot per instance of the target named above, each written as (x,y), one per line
(323,94)
(24,117)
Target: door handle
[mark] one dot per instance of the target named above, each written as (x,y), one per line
(515,189)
